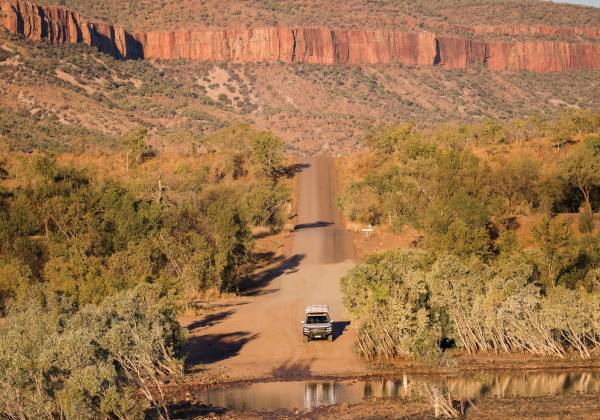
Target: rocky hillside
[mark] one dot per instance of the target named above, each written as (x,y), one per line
(150,15)
(275,78)
(61,93)
(423,42)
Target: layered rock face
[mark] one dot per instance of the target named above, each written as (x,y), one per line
(59,26)
(310,45)
(535,56)
(318,46)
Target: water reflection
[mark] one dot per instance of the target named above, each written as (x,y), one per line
(309,394)
(320,393)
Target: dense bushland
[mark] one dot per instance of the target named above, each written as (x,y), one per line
(99,251)
(438,181)
(411,304)
(472,282)
(55,362)
(85,238)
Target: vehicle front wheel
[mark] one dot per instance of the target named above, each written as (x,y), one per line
(330,337)
(305,339)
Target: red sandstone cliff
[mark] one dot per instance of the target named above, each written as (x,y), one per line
(311,45)
(319,46)
(59,25)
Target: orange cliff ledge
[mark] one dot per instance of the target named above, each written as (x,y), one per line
(308,45)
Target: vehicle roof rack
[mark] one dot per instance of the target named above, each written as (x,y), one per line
(317,309)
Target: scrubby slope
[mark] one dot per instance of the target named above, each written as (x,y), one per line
(312,107)
(151,15)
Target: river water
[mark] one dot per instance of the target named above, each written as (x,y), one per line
(305,395)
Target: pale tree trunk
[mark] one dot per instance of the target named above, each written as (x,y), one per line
(586,198)
(160,191)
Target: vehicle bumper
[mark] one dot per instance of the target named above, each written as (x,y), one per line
(317,334)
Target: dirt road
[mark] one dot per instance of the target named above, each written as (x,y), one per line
(260,334)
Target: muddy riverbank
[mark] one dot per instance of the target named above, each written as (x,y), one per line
(390,396)
(572,406)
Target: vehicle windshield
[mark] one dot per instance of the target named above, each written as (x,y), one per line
(317,319)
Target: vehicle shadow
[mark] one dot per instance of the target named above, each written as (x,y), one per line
(338,328)
(211,348)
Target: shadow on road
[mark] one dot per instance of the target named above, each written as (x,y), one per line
(201,306)
(319,224)
(266,233)
(338,328)
(254,286)
(210,320)
(295,370)
(211,348)
(291,170)
(192,409)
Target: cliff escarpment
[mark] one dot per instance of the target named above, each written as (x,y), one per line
(310,45)
(59,26)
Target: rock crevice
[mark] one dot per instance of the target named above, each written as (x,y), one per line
(310,45)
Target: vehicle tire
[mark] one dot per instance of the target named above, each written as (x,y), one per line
(305,339)
(330,337)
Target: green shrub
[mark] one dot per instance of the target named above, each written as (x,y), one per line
(265,205)
(586,223)
(92,363)
(389,294)
(268,152)
(15,279)
(406,306)
(556,248)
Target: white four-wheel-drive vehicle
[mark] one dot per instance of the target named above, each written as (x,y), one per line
(317,323)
